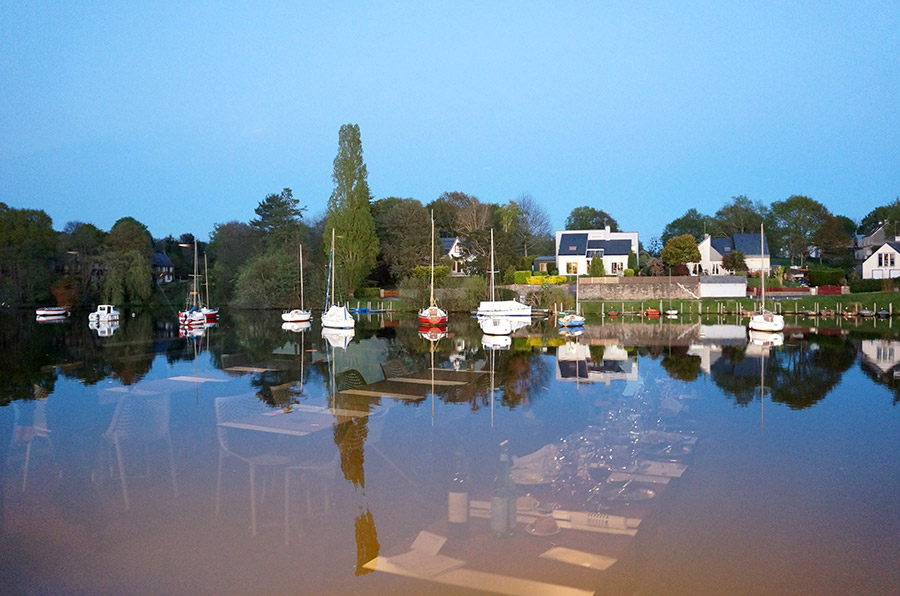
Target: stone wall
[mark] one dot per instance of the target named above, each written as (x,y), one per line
(639,288)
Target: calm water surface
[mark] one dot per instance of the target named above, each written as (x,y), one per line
(258,460)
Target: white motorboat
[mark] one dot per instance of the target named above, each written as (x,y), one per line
(104,312)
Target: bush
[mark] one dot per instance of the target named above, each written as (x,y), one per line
(870,285)
(629,272)
(825,277)
(522,277)
(367,293)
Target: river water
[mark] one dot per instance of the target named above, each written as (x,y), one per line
(672,457)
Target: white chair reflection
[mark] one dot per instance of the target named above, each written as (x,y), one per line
(140,421)
(257,454)
(40,431)
(325,470)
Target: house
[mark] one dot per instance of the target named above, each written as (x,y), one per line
(884,263)
(543,264)
(575,249)
(163,268)
(713,250)
(459,256)
(864,246)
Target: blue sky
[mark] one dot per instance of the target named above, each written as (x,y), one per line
(184,115)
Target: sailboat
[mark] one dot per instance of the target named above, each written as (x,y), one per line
(501,308)
(335,317)
(765,320)
(192,315)
(298,315)
(432,314)
(211,314)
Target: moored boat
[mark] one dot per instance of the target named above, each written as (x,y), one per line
(104,312)
(570,320)
(52,311)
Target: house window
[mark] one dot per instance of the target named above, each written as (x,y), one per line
(880,262)
(572,268)
(891,258)
(615,268)
(543,267)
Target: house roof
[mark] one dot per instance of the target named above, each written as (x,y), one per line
(572,244)
(746,243)
(447,244)
(894,245)
(161,260)
(749,244)
(611,247)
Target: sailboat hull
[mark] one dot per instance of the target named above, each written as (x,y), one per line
(296,316)
(432,316)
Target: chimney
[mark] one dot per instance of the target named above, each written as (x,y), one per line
(606,231)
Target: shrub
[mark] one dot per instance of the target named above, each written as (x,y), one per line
(825,277)
(523,277)
(629,272)
(868,285)
(367,293)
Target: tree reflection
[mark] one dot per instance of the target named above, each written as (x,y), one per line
(680,365)
(798,374)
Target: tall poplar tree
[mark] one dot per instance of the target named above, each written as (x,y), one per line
(349,213)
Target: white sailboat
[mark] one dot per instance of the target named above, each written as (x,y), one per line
(432,314)
(298,315)
(335,317)
(501,308)
(765,320)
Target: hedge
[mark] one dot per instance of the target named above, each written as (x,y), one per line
(521,277)
(825,277)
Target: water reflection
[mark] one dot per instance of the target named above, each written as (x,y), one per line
(217,449)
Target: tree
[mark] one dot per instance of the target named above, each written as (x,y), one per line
(26,250)
(79,248)
(734,261)
(888,215)
(349,212)
(589,218)
(128,249)
(832,240)
(232,245)
(692,222)
(796,220)
(740,216)
(680,250)
(597,268)
(534,232)
(446,208)
(474,222)
(407,240)
(278,217)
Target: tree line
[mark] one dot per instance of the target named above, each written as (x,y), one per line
(379,242)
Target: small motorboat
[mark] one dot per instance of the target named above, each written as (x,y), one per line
(570,320)
(52,311)
(652,312)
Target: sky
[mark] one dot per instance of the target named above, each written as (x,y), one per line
(185,115)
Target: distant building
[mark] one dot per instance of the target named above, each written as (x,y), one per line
(455,250)
(575,249)
(163,268)
(714,250)
(543,264)
(884,263)
(864,246)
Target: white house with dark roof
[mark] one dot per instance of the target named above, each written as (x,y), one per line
(459,256)
(884,263)
(575,249)
(713,250)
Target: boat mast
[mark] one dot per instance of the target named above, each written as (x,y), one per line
(762,266)
(492,264)
(432,260)
(331,266)
(206,277)
(328,279)
(301,277)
